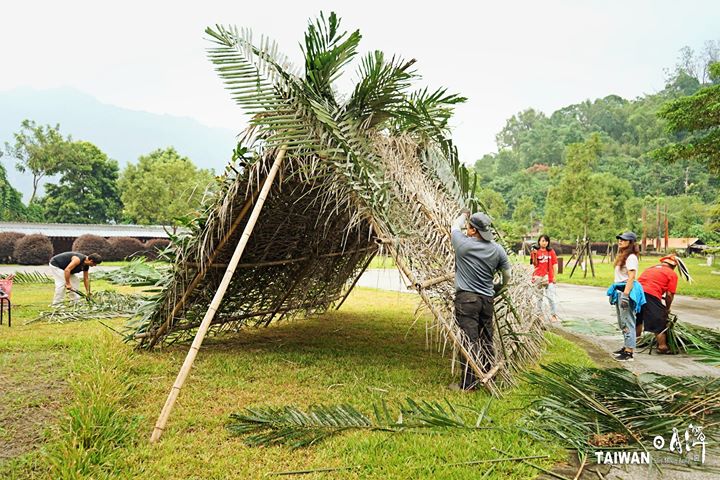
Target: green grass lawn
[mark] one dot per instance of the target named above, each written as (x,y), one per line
(382,261)
(86,402)
(705,283)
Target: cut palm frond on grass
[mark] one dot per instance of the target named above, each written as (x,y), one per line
(137,273)
(587,408)
(701,342)
(101,305)
(296,428)
(27,277)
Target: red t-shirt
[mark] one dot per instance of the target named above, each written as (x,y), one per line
(544,261)
(657,280)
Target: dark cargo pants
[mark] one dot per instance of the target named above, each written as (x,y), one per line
(474,313)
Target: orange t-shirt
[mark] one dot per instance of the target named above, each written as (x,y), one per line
(657,280)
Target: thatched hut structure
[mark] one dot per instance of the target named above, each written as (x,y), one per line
(374,172)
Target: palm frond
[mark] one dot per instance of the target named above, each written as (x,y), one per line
(296,428)
(381,88)
(682,337)
(327,51)
(586,407)
(137,273)
(427,112)
(102,305)
(27,277)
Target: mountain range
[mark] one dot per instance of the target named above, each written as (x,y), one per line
(121,133)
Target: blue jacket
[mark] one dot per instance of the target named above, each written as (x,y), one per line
(637,295)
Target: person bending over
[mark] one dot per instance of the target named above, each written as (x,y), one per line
(64,268)
(658,281)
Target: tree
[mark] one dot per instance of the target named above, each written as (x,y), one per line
(494,203)
(583,203)
(696,121)
(87,191)
(162,187)
(524,214)
(11,206)
(42,150)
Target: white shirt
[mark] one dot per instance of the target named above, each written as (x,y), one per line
(621,272)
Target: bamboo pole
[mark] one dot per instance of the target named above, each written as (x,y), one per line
(434,281)
(222,288)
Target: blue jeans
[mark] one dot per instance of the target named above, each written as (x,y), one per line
(626,322)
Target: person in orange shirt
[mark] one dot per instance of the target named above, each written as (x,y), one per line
(545,262)
(658,282)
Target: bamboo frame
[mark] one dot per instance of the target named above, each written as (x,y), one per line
(201,274)
(210,314)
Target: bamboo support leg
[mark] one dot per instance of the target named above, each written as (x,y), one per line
(212,309)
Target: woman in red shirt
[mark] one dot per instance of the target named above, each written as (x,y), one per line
(545,262)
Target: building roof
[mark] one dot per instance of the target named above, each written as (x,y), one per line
(677,242)
(77,229)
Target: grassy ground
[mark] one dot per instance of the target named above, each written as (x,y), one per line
(382,261)
(86,402)
(705,283)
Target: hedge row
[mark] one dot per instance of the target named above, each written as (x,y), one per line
(119,248)
(37,249)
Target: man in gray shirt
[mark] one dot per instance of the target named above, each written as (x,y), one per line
(477,259)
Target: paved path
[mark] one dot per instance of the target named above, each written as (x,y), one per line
(585,303)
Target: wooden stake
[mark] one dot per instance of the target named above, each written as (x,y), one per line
(667,236)
(212,309)
(644,231)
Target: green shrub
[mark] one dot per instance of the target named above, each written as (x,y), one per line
(35,249)
(154,247)
(125,247)
(8,240)
(88,244)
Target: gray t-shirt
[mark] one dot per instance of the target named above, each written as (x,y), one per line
(476,262)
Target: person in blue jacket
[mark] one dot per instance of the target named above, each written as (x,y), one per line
(626,293)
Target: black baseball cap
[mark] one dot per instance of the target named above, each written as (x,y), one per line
(481,222)
(630,236)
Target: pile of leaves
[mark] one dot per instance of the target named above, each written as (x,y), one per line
(136,273)
(587,408)
(101,305)
(296,428)
(701,342)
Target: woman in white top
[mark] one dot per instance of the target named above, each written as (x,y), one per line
(626,268)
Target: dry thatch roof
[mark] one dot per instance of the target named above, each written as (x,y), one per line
(374,172)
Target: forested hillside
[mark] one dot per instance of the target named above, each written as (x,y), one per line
(539,176)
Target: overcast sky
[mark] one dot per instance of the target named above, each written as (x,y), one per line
(504,56)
